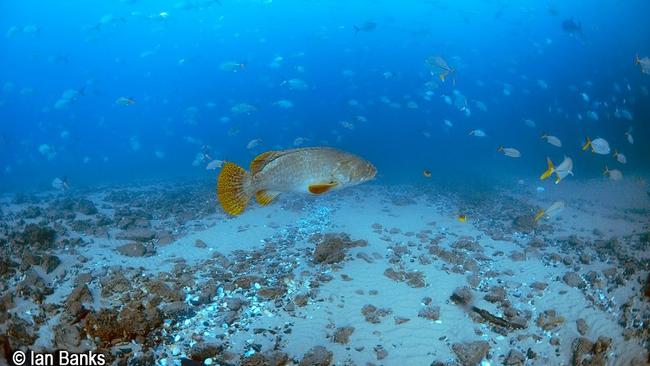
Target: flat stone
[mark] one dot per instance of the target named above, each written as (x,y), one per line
(137,234)
(471,353)
(132,250)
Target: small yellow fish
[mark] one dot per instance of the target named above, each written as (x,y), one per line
(312,170)
(461,218)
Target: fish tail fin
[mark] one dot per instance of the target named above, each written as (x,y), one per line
(233,188)
(356,29)
(543,136)
(549,170)
(587,144)
(539,214)
(606,170)
(442,76)
(637,60)
(500,148)
(615,152)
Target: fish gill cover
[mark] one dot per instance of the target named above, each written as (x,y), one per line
(498,149)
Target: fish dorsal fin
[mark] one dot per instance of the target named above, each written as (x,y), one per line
(320,188)
(262,159)
(265,197)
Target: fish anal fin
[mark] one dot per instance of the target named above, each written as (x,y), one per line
(231,188)
(265,197)
(320,188)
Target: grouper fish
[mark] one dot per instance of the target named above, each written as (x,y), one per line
(311,170)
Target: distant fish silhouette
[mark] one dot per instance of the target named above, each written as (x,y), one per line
(365,27)
(573,28)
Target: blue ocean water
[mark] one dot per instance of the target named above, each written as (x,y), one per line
(363,85)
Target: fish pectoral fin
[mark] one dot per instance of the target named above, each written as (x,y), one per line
(320,188)
(265,197)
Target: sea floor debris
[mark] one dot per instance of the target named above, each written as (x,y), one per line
(156,274)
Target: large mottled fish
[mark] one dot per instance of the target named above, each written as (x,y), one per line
(313,170)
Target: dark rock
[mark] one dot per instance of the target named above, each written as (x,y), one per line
(137,234)
(549,320)
(574,280)
(462,295)
(514,358)
(86,207)
(517,256)
(380,352)
(582,326)
(200,351)
(430,312)
(331,248)
(342,334)
(50,262)
(541,286)
(317,356)
(268,293)
(134,249)
(39,235)
(524,223)
(496,294)
(471,353)
(374,314)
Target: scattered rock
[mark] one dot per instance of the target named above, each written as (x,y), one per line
(50,262)
(134,249)
(86,207)
(574,280)
(524,223)
(549,320)
(461,295)
(496,294)
(517,256)
(586,353)
(374,314)
(380,352)
(342,334)
(471,353)
(331,247)
(514,358)
(39,235)
(582,326)
(430,312)
(541,286)
(136,234)
(317,356)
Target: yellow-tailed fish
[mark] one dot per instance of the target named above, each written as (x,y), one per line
(598,146)
(312,170)
(551,211)
(613,174)
(561,171)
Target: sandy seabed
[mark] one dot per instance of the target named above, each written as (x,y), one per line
(373,275)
